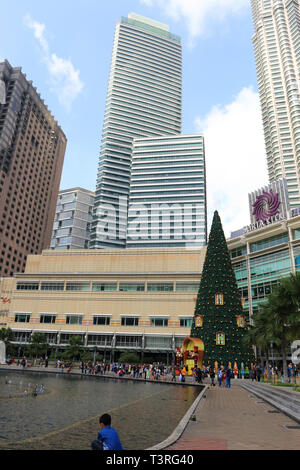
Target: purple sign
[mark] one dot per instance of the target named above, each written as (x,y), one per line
(266,205)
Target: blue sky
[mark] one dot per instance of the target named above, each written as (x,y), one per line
(65,48)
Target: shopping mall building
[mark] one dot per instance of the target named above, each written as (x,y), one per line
(139,300)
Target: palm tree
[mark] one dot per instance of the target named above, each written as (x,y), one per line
(258,334)
(278,318)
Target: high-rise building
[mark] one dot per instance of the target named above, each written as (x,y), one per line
(167,204)
(32,149)
(276,43)
(143,100)
(73,218)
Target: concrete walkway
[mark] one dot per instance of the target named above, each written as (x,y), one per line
(234,419)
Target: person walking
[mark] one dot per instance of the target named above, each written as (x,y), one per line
(228,377)
(212,376)
(220,376)
(173,375)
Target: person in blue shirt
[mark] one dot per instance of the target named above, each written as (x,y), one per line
(108,438)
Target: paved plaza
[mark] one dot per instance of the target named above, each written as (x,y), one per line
(233,419)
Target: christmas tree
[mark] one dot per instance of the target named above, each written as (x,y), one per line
(219,319)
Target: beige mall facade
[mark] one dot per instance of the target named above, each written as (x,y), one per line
(135,299)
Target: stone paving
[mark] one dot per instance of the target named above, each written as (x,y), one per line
(234,419)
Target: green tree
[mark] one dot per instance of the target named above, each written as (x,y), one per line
(75,348)
(6,335)
(129,357)
(38,344)
(278,318)
(219,306)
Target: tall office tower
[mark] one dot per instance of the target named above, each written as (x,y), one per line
(276,43)
(73,218)
(32,149)
(143,99)
(167,205)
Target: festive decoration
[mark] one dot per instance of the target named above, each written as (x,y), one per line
(219,299)
(199,321)
(220,306)
(220,339)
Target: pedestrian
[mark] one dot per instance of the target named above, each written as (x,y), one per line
(108,438)
(46,361)
(220,373)
(183,373)
(224,375)
(212,376)
(228,377)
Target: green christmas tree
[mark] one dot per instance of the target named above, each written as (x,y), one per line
(219,320)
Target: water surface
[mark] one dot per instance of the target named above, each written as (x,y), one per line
(66,415)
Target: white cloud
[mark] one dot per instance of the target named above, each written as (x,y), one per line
(235,158)
(64,79)
(199,15)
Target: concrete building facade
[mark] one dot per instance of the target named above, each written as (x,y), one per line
(143,99)
(73,218)
(276,43)
(167,203)
(116,300)
(32,149)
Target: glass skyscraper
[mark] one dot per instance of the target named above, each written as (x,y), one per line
(276,43)
(167,205)
(143,100)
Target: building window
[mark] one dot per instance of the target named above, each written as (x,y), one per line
(47,318)
(78,286)
(129,321)
(159,342)
(129,341)
(27,286)
(101,320)
(22,317)
(52,285)
(186,322)
(99,340)
(269,242)
(104,286)
(74,320)
(160,287)
(187,286)
(131,287)
(157,321)
(240,251)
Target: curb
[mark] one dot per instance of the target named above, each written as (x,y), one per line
(176,434)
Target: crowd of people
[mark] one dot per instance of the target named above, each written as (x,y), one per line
(220,375)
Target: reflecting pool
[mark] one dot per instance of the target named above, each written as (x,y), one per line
(64,414)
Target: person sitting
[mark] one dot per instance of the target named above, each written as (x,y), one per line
(108,438)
